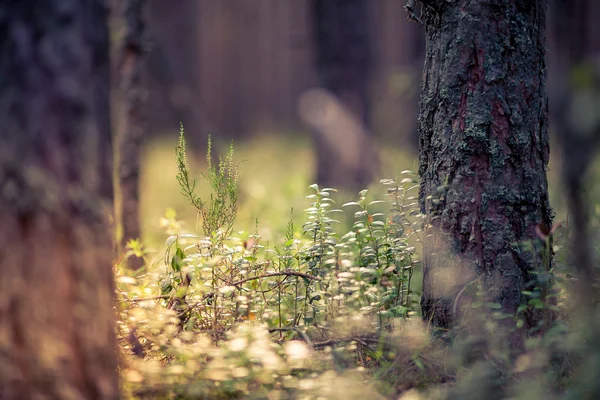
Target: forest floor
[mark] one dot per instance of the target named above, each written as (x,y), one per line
(183,354)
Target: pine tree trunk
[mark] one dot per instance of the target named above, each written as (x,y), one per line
(133,127)
(56,318)
(483,152)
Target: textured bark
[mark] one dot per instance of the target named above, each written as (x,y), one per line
(133,127)
(56,319)
(483,151)
(343,64)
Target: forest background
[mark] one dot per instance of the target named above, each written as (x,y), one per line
(257,188)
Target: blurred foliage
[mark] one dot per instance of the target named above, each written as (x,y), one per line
(319,303)
(256,310)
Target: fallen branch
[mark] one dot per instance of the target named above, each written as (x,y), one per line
(364,341)
(333,342)
(295,329)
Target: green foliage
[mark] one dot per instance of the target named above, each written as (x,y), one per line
(324,309)
(187,185)
(330,297)
(300,283)
(219,214)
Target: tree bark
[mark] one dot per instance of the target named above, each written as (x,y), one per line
(343,60)
(133,127)
(57,335)
(483,152)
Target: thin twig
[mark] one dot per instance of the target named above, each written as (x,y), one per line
(282,273)
(164,297)
(237,283)
(295,329)
(332,342)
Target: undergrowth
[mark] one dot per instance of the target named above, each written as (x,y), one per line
(322,312)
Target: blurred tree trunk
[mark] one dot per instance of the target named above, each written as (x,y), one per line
(483,152)
(343,57)
(172,69)
(400,47)
(575,103)
(56,318)
(133,125)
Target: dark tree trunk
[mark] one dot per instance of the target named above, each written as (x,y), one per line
(133,126)
(56,318)
(344,64)
(483,152)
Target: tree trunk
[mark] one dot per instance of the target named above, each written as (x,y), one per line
(483,152)
(133,126)
(56,318)
(173,70)
(575,100)
(343,58)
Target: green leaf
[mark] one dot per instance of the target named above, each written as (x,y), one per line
(419,364)
(495,306)
(165,287)
(520,323)
(177,260)
(537,303)
(530,294)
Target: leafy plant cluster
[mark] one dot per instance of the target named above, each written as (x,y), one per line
(317,289)
(322,313)
(219,213)
(300,282)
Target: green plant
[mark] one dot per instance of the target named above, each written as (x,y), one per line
(219,213)
(323,309)
(306,287)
